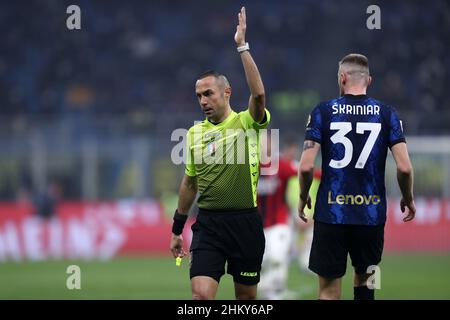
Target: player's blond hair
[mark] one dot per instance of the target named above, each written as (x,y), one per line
(355,65)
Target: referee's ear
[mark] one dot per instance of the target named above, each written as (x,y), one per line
(227,91)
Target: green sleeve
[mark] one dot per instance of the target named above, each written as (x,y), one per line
(190,165)
(248,121)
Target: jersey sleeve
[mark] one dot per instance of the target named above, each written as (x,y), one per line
(314,126)
(249,123)
(190,165)
(395,129)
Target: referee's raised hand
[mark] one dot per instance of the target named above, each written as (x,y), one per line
(239,36)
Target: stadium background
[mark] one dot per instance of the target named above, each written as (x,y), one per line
(86,118)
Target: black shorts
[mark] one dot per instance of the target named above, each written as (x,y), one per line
(333,242)
(235,237)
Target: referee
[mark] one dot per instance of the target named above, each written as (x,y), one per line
(223,166)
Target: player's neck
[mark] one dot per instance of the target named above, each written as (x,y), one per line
(355,91)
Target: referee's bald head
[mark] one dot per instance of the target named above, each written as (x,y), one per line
(221,81)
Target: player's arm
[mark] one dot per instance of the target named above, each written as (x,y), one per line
(405,179)
(306,175)
(257,101)
(186,197)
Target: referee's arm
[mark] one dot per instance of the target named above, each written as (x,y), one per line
(257,101)
(187,194)
(306,175)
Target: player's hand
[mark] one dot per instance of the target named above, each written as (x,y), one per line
(301,208)
(176,246)
(239,36)
(411,209)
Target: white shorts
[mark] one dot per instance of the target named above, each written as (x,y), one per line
(278,243)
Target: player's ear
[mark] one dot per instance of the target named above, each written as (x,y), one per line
(369,81)
(341,78)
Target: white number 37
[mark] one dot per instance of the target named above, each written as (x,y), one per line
(339,137)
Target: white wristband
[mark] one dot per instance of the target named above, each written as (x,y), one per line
(243,48)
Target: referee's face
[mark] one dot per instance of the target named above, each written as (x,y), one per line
(212,98)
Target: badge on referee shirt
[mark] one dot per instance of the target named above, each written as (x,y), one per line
(212,148)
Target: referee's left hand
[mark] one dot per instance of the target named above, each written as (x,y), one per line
(301,208)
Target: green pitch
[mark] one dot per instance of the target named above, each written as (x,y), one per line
(402,277)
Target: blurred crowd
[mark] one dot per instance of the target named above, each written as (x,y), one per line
(142,57)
